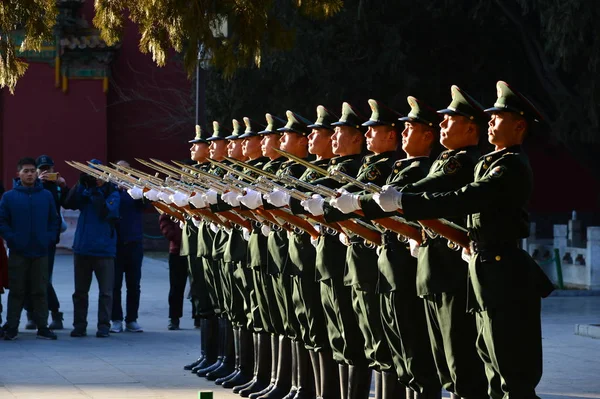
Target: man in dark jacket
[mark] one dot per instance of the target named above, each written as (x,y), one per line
(178,268)
(130,254)
(57,186)
(29,224)
(95,248)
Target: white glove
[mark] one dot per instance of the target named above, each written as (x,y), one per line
(165,197)
(344,239)
(181,225)
(197,200)
(389,199)
(414,248)
(136,193)
(466,256)
(314,241)
(214,228)
(252,199)
(197,222)
(152,195)
(278,198)
(210,196)
(179,198)
(314,205)
(231,198)
(246,234)
(346,202)
(265,230)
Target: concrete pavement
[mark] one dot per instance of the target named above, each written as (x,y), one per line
(149,364)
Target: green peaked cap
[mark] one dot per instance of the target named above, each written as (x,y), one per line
(295,123)
(237,130)
(421,113)
(325,119)
(252,128)
(219,133)
(465,105)
(511,100)
(381,115)
(200,135)
(350,118)
(272,123)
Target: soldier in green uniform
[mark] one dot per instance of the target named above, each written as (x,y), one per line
(302,254)
(267,325)
(209,234)
(345,338)
(382,140)
(293,140)
(203,306)
(441,274)
(507,284)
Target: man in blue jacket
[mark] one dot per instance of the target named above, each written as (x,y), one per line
(130,254)
(29,223)
(94,247)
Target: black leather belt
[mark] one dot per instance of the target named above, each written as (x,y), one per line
(477,246)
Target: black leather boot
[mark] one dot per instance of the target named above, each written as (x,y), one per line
(214,342)
(244,357)
(228,362)
(262,364)
(330,378)
(236,363)
(343,373)
(359,382)
(284,371)
(410,394)
(432,394)
(208,333)
(378,384)
(261,389)
(306,383)
(392,389)
(316,370)
(294,373)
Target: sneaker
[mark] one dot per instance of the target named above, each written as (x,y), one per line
(45,333)
(102,333)
(10,334)
(173,324)
(133,326)
(78,333)
(30,325)
(117,326)
(57,321)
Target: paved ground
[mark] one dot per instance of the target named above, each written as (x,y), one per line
(150,364)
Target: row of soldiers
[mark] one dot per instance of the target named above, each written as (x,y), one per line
(303,288)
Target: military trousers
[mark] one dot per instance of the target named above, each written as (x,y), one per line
(512,355)
(266,304)
(225,290)
(201,302)
(345,338)
(212,282)
(309,312)
(453,335)
(240,298)
(405,328)
(367,308)
(284,305)
(27,275)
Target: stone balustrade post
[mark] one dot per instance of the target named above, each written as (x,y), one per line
(592,261)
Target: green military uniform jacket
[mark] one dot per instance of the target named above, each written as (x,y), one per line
(360,260)
(440,268)
(396,265)
(500,272)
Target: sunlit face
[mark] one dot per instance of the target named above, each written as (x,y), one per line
(218,149)
(506,129)
(319,141)
(290,141)
(456,131)
(345,138)
(27,174)
(199,151)
(416,138)
(378,138)
(251,147)
(234,149)
(267,144)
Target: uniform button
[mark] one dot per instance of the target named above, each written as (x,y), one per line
(485,166)
(498,258)
(395,170)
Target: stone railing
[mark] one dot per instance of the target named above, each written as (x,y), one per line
(579,260)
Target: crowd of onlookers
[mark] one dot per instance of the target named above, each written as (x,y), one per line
(108,243)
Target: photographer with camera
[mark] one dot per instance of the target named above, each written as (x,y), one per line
(53,182)
(94,247)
